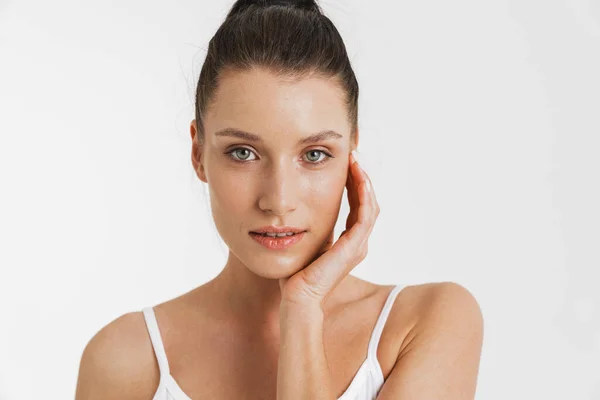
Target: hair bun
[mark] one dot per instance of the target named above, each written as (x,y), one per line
(306,5)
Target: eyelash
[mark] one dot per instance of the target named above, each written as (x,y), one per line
(229,153)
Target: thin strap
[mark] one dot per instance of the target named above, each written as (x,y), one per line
(376,335)
(157,344)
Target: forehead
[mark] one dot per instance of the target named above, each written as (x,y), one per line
(262,102)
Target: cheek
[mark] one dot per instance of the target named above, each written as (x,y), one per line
(326,193)
(230,199)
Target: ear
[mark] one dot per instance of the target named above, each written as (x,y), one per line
(197,153)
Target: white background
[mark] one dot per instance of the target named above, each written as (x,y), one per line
(480,126)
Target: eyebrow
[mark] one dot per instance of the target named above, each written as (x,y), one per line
(317,137)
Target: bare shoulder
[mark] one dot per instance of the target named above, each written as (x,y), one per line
(437,331)
(118,362)
(441,328)
(430,297)
(427,310)
(433,308)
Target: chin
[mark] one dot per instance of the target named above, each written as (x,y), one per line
(274,267)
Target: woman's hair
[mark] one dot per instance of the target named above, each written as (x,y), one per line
(292,39)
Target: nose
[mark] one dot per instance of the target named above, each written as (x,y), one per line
(278,189)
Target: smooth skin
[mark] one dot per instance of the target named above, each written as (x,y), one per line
(223,338)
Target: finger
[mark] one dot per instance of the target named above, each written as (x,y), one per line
(374,202)
(368,207)
(373,198)
(351,184)
(360,229)
(363,176)
(373,205)
(352,194)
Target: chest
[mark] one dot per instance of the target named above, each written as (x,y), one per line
(225,364)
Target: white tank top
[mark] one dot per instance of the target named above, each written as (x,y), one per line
(365,385)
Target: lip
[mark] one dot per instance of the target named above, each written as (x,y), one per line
(277,229)
(277,243)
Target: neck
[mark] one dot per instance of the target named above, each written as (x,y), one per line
(252,299)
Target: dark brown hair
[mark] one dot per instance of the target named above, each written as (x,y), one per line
(292,39)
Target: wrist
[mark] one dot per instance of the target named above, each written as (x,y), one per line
(301,310)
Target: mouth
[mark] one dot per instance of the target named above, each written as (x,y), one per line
(279,240)
(276,235)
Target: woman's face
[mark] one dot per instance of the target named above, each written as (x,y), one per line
(275,178)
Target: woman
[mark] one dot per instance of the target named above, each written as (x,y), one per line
(273,136)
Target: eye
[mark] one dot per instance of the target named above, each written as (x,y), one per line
(311,156)
(242,154)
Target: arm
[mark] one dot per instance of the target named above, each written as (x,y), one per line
(302,372)
(439,358)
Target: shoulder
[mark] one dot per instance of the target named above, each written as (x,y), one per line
(437,299)
(440,327)
(118,362)
(442,312)
(437,311)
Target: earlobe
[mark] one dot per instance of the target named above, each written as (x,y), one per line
(197,161)
(202,174)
